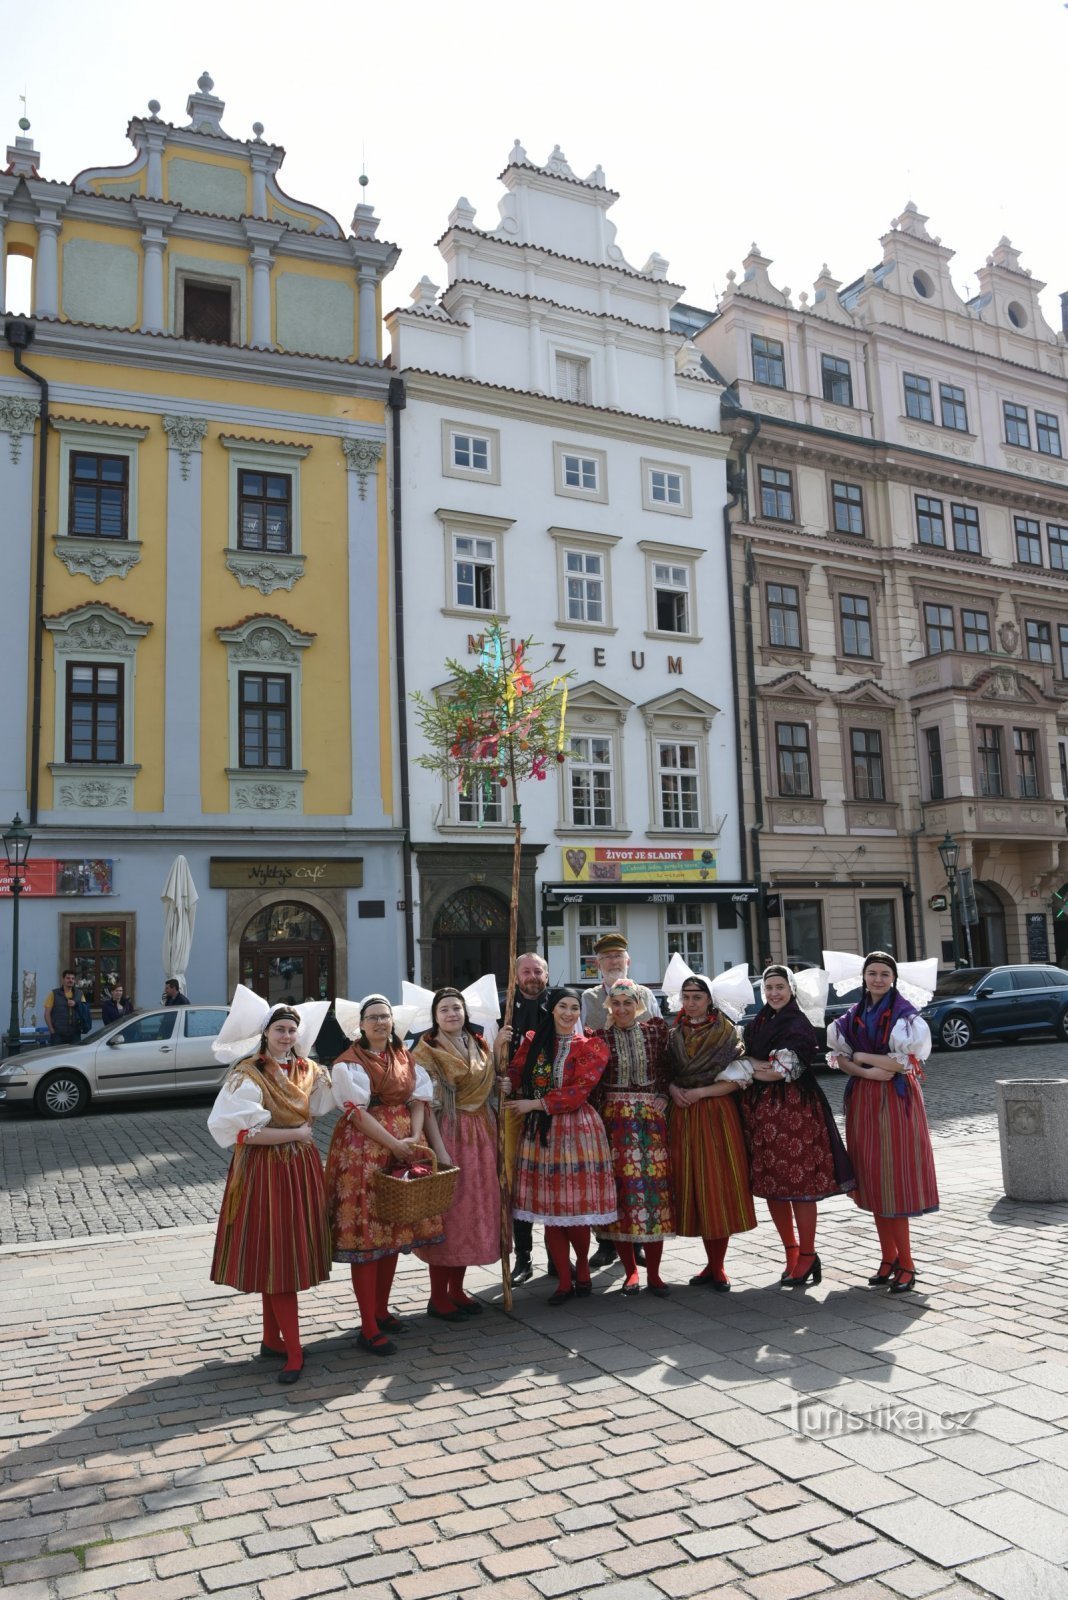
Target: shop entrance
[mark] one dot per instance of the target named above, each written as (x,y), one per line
(990,947)
(287,954)
(470,939)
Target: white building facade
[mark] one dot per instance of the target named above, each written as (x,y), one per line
(561,469)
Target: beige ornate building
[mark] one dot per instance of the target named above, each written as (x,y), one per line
(900,562)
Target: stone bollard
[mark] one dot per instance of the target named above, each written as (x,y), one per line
(1033,1128)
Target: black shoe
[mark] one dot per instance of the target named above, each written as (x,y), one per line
(661,1290)
(561,1297)
(639,1254)
(603,1256)
(523,1270)
(445,1316)
(376,1347)
(269,1350)
(583,1290)
(904,1280)
(813,1275)
(289,1374)
(391,1324)
(466,1308)
(881,1278)
(705,1280)
(631,1288)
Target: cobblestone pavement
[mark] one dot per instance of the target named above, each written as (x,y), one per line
(133,1166)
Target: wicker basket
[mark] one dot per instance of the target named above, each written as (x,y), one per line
(404,1200)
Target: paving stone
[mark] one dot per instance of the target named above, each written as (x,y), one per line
(856,1489)
(864,1561)
(942,1536)
(1020,1521)
(1017,1575)
(570,1579)
(697,1578)
(793,1584)
(944,1482)
(915,1581)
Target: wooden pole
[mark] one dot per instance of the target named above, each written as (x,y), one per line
(513,939)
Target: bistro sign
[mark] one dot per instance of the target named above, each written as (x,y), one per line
(303,872)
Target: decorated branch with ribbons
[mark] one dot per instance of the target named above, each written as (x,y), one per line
(499,724)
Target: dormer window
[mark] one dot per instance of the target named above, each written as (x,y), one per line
(769,362)
(923,285)
(207,311)
(573,379)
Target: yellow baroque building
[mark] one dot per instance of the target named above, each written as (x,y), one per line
(193,423)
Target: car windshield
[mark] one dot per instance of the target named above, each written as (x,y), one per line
(954,983)
(94,1033)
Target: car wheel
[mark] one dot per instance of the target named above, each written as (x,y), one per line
(957,1031)
(62,1094)
(1062,1024)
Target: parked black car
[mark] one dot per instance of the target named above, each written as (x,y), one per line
(997,1003)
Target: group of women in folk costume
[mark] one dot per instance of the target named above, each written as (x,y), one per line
(640,1130)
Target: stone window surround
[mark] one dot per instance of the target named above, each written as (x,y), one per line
(94,557)
(265,644)
(924,591)
(97,635)
(601,544)
(681,717)
(446,818)
(478,526)
(265,570)
(863,714)
(677,555)
(1046,609)
(577,350)
(838,584)
(597,712)
(648,466)
(840,533)
(946,735)
(772,569)
(183,269)
(994,714)
(773,464)
(492,436)
(600,493)
(801,707)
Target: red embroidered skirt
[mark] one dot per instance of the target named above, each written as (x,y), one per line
(791,1147)
(277,1239)
(568,1181)
(709,1170)
(637,1133)
(889,1145)
(357,1231)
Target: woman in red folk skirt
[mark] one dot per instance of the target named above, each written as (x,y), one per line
(272,1238)
(563,1167)
(796,1154)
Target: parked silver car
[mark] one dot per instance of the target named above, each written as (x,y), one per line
(164,1051)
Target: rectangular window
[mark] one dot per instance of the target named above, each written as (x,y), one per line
(930,521)
(593,923)
(989,749)
(803,921)
(1062,648)
(1057,537)
(580,472)
(99,496)
(965,528)
(847,505)
(590,771)
(573,379)
(1025,749)
(671,597)
(1039,641)
(665,488)
(935,781)
(207,312)
(1028,543)
(584,575)
(1017,430)
(686,934)
(776,494)
(918,404)
(769,364)
(265,511)
(473,565)
(837,381)
(793,760)
(784,616)
(975,632)
(481,801)
(938,626)
(96,954)
(471,451)
(866,752)
(954,415)
(264,720)
(1047,433)
(679,794)
(878,925)
(94,713)
(854,615)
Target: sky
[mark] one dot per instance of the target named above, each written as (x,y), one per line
(802,125)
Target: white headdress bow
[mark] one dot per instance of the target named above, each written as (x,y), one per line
(249,1016)
(810,991)
(731,991)
(347,1013)
(916,980)
(480,998)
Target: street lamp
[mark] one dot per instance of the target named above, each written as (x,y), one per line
(949,850)
(17,841)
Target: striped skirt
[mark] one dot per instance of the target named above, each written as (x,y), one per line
(637,1134)
(568,1181)
(890,1147)
(473,1221)
(358,1233)
(709,1170)
(272,1236)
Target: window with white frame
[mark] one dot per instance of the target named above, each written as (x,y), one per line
(684,927)
(579,472)
(591,781)
(584,578)
(593,922)
(481,800)
(94,653)
(573,378)
(672,588)
(679,784)
(471,452)
(666,487)
(474,563)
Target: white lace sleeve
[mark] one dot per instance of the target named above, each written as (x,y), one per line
(424,1089)
(911,1037)
(235,1111)
(739,1071)
(322,1096)
(350,1083)
(790,1062)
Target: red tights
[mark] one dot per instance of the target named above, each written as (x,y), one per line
(894,1241)
(371,1282)
(560,1242)
(653,1254)
(802,1244)
(447,1289)
(281,1326)
(716,1251)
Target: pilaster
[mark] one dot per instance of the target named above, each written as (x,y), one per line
(367,658)
(18,416)
(155,220)
(181,697)
(262,238)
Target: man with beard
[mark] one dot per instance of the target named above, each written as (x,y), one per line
(532,986)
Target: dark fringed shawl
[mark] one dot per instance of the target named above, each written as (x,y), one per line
(785,1029)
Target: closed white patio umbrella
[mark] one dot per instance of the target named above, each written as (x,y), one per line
(179,915)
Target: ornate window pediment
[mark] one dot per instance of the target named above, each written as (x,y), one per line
(88,636)
(793,686)
(265,645)
(679,705)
